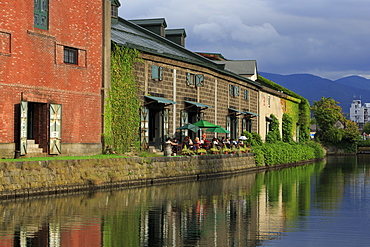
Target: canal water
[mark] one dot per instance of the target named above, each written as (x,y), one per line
(321,204)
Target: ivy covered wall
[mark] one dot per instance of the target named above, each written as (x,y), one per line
(297,107)
(122,119)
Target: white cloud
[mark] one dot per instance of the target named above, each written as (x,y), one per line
(325,36)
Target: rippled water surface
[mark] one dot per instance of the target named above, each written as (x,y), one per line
(322,204)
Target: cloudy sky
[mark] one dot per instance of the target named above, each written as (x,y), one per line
(328,38)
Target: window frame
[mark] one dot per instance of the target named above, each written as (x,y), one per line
(67,58)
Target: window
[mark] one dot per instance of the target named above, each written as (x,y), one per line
(268,101)
(246,94)
(114,11)
(41,14)
(236,90)
(70,55)
(197,80)
(233,90)
(114,8)
(157,73)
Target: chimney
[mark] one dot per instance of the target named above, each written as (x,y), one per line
(176,35)
(154,25)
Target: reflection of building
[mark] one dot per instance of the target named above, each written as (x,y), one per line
(359,113)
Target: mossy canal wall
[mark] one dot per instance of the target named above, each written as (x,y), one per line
(21,179)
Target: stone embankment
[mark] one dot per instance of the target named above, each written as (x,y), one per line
(22,179)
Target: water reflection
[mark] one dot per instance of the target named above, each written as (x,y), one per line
(248,210)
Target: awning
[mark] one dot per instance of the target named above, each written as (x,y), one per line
(236,111)
(251,113)
(197,104)
(161,100)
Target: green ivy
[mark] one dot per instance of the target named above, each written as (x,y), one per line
(287,125)
(274,134)
(300,115)
(122,119)
(284,153)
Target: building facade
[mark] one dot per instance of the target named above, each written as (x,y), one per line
(359,113)
(51,60)
(178,86)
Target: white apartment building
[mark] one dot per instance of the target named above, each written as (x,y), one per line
(359,113)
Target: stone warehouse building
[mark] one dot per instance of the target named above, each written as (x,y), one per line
(178,86)
(51,60)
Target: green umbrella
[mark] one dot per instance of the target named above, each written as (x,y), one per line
(205,124)
(189,126)
(218,130)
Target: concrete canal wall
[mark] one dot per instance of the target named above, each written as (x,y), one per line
(20,179)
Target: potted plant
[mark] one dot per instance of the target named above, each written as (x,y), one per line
(226,150)
(242,149)
(186,151)
(201,151)
(234,150)
(214,150)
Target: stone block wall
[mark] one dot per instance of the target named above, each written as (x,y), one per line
(44,177)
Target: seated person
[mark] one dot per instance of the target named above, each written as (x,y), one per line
(196,143)
(204,142)
(187,142)
(227,143)
(175,145)
(216,143)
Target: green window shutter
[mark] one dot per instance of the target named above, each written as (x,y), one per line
(41,14)
(228,123)
(190,79)
(160,73)
(55,138)
(23,135)
(155,74)
(236,127)
(166,128)
(246,94)
(184,119)
(244,124)
(144,126)
(231,90)
(236,90)
(199,80)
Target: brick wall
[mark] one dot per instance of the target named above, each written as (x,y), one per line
(32,67)
(213,82)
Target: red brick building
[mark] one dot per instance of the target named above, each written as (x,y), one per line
(51,75)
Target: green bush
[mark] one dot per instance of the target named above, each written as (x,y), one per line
(273,135)
(287,126)
(284,153)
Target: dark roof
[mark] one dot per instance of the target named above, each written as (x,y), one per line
(150,22)
(129,34)
(179,31)
(241,67)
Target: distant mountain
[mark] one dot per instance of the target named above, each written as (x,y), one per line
(313,87)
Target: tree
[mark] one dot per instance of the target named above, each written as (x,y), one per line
(327,113)
(367,128)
